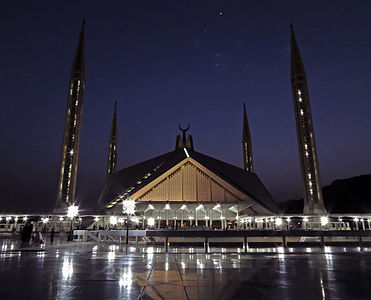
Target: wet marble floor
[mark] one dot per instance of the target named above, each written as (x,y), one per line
(90,271)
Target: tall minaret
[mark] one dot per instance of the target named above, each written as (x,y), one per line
(72,127)
(112,152)
(313,203)
(246,144)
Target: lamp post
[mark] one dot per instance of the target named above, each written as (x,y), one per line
(72,212)
(128,208)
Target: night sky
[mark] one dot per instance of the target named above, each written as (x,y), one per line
(171,62)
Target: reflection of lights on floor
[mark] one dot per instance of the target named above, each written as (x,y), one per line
(200,265)
(40,255)
(67,268)
(328,257)
(323,289)
(280,250)
(94,252)
(235,263)
(126,278)
(113,247)
(111,255)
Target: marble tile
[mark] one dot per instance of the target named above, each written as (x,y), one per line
(90,271)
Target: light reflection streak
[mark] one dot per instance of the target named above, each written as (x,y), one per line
(322,289)
(113,247)
(40,255)
(126,279)
(111,256)
(67,268)
(150,255)
(94,252)
(200,265)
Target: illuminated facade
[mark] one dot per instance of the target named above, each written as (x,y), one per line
(313,202)
(185,186)
(246,144)
(72,127)
(113,141)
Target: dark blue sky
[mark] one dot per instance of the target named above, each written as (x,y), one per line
(171,62)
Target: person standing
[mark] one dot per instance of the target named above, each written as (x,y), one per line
(52,236)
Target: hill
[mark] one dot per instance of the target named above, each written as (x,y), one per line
(351,195)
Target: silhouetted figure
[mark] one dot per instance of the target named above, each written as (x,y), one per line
(26,232)
(52,236)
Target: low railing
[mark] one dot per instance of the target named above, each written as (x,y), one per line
(102,236)
(116,236)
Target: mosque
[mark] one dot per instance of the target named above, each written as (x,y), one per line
(188,188)
(185,187)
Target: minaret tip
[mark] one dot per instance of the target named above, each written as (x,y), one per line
(113,141)
(83,22)
(246,143)
(291,27)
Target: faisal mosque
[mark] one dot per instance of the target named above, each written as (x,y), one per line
(184,186)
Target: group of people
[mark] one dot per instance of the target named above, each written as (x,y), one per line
(37,238)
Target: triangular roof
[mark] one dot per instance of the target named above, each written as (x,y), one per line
(127,182)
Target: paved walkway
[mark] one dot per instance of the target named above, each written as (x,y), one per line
(90,271)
